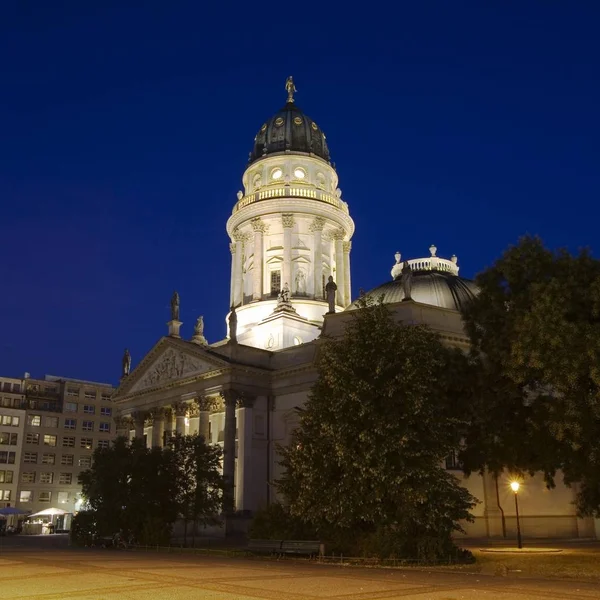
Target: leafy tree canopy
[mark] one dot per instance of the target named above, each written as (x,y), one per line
(367,457)
(535,329)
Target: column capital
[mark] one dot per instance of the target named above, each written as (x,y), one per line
(139,417)
(240,236)
(338,234)
(347,246)
(232,248)
(204,403)
(317,224)
(180,409)
(156,414)
(287,219)
(245,401)
(258,225)
(230,397)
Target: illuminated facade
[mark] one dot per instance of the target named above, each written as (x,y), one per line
(291,226)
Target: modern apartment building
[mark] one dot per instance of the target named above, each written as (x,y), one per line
(49,429)
(12,421)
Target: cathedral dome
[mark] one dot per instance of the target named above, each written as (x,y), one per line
(433,281)
(289,130)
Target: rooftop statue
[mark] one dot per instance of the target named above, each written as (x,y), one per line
(290,88)
(175,307)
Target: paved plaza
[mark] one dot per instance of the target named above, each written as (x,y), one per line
(56,573)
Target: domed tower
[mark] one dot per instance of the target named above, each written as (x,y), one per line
(290,231)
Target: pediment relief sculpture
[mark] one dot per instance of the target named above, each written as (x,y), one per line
(172,364)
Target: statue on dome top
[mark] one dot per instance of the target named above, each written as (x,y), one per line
(290,88)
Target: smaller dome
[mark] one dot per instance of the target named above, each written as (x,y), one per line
(434,281)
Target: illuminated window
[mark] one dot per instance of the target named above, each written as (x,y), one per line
(63,497)
(49,440)
(299,173)
(86,443)
(276,173)
(6,476)
(5,495)
(25,496)
(34,420)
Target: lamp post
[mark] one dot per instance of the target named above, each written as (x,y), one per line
(515,485)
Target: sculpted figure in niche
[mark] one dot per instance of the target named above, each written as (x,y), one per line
(175,307)
(300,282)
(330,290)
(407,276)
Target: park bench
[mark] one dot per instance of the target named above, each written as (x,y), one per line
(303,547)
(265,546)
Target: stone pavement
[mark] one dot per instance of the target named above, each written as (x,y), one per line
(85,574)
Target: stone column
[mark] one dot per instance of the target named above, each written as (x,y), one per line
(347,246)
(317,229)
(204,406)
(257,273)
(286,275)
(139,421)
(232,286)
(193,415)
(238,268)
(180,410)
(168,425)
(339,268)
(229,398)
(244,481)
(122,425)
(158,427)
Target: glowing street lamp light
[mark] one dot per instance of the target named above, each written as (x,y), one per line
(515,485)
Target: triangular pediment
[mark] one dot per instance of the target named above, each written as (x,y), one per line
(169,361)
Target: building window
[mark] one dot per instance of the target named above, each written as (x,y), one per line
(72,392)
(45,496)
(67,460)
(50,390)
(6,476)
(105,444)
(86,443)
(63,497)
(70,423)
(85,462)
(68,441)
(9,420)
(32,438)
(7,458)
(8,439)
(452,462)
(105,397)
(49,440)
(25,496)
(88,426)
(5,495)
(275,283)
(105,411)
(28,477)
(34,420)
(51,422)
(30,458)
(46,477)
(70,406)
(48,459)
(104,428)
(65,478)
(89,409)
(90,395)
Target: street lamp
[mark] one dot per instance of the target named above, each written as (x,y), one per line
(515,485)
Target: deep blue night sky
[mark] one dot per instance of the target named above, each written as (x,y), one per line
(125,128)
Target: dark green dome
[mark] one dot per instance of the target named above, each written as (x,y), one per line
(290,131)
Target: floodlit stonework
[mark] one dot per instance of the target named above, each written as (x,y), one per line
(289,232)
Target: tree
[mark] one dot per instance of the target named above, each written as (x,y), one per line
(198,482)
(535,331)
(366,460)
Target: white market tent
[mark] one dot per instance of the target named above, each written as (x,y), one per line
(49,512)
